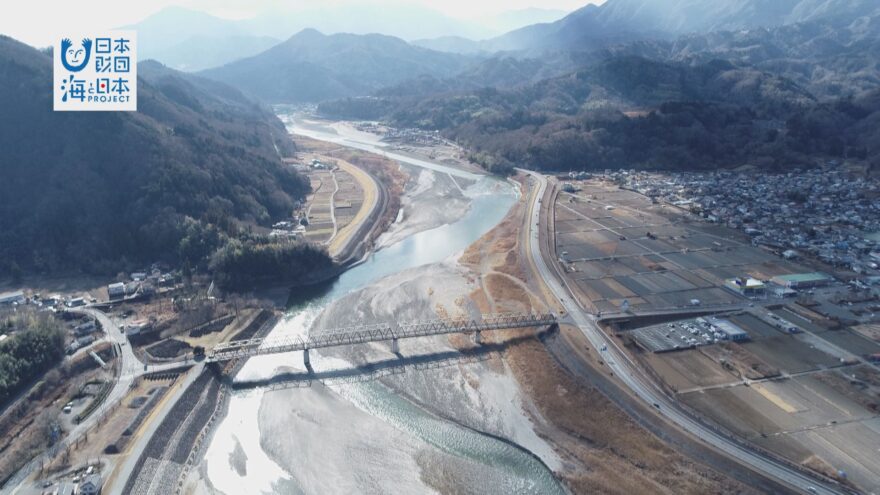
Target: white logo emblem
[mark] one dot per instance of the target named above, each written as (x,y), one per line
(96,72)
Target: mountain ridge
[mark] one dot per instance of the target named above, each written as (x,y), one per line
(98,191)
(312,66)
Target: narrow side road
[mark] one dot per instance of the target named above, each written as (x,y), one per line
(130,368)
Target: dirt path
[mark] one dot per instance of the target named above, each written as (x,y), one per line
(341,237)
(333,207)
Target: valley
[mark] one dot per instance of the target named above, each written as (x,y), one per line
(596,246)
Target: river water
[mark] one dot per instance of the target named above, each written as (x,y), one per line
(512,469)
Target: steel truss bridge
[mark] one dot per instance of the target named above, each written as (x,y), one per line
(377,333)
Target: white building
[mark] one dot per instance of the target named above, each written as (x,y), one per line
(10,298)
(91,485)
(116,290)
(137,327)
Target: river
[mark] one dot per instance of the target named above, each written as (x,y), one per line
(235,460)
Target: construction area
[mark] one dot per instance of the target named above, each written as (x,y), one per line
(623,252)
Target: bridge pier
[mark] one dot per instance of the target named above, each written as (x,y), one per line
(306,360)
(395,346)
(478,338)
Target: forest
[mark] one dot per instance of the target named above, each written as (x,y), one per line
(245,265)
(198,166)
(633,112)
(36,346)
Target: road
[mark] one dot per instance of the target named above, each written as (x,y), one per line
(628,372)
(130,369)
(119,477)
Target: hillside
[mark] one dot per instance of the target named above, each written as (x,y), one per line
(100,191)
(623,82)
(630,111)
(831,57)
(311,67)
(618,21)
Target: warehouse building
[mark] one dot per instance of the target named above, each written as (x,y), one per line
(116,291)
(747,287)
(803,280)
(730,330)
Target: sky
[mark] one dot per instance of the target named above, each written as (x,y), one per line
(39,22)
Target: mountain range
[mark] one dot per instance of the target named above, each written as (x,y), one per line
(311,66)
(636,83)
(618,21)
(190,40)
(101,191)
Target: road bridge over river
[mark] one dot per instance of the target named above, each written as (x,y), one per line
(392,332)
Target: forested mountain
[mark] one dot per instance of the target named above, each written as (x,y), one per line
(621,82)
(99,191)
(677,84)
(311,66)
(831,57)
(618,21)
(634,112)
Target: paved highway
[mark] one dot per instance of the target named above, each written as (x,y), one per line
(619,363)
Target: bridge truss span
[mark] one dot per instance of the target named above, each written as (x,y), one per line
(392,331)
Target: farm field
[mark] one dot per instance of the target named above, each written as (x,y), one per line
(617,246)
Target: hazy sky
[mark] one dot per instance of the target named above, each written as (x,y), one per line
(39,22)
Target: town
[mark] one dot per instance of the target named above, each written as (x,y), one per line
(826,214)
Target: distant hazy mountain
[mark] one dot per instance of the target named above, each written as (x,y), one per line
(406,21)
(626,20)
(205,52)
(311,66)
(172,26)
(100,191)
(190,40)
(515,19)
(501,23)
(452,44)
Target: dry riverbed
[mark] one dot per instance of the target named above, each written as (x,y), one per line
(431,199)
(444,415)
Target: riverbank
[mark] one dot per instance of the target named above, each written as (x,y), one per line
(482,402)
(602,448)
(247,453)
(383,182)
(442,415)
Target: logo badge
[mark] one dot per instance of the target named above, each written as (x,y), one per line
(96,72)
